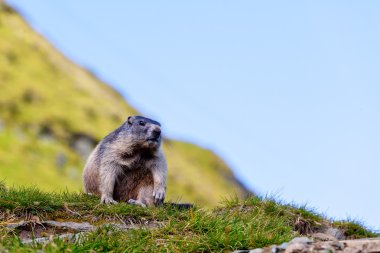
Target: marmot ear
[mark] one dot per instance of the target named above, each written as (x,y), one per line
(129,120)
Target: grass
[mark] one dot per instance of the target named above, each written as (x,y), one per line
(234,224)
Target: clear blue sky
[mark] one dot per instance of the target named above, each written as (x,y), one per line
(287,92)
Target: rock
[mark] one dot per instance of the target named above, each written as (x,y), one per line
(305,245)
(83,145)
(45,134)
(323,237)
(256,250)
(35,230)
(79,226)
(350,250)
(363,245)
(60,160)
(280,248)
(68,237)
(296,247)
(303,240)
(283,246)
(337,245)
(15,225)
(335,232)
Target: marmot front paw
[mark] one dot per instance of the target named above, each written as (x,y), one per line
(136,202)
(107,200)
(159,196)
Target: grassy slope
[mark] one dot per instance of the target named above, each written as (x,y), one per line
(235,224)
(46,101)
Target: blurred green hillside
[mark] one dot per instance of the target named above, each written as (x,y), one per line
(53,112)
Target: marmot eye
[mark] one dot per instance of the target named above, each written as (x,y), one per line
(141,123)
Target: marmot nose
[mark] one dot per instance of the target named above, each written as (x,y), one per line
(156,132)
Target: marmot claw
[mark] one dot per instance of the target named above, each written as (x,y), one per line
(159,196)
(108,200)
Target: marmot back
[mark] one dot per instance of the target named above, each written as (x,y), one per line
(128,164)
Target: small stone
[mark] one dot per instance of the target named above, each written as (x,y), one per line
(16,225)
(295,247)
(323,237)
(363,245)
(256,250)
(303,240)
(354,250)
(335,232)
(324,251)
(275,249)
(83,226)
(337,245)
(60,160)
(283,246)
(83,145)
(373,246)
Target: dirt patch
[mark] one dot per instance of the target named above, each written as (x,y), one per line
(31,231)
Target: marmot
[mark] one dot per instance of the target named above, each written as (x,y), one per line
(128,165)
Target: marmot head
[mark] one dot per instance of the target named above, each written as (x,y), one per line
(144,132)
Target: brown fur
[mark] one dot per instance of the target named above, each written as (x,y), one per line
(126,168)
(136,184)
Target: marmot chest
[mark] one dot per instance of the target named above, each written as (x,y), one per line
(132,180)
(138,162)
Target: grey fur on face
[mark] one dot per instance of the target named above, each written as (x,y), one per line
(128,164)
